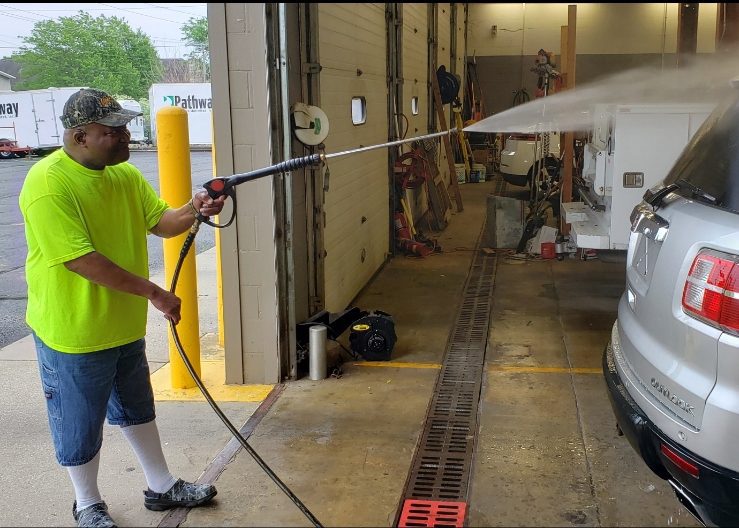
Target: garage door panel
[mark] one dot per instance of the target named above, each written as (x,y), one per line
(352,37)
(415,84)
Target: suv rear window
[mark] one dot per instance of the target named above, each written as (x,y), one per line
(708,168)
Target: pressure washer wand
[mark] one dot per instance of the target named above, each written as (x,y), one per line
(224,185)
(390,144)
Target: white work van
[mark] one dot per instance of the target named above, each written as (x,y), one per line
(631,149)
(31,117)
(521,152)
(136,125)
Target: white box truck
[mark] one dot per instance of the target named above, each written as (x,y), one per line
(31,117)
(631,149)
(195,98)
(136,125)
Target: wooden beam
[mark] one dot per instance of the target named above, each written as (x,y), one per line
(727,27)
(567,138)
(687,32)
(571,39)
(563,55)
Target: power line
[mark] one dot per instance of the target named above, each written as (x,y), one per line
(24,11)
(142,14)
(170,9)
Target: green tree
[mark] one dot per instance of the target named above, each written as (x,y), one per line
(102,52)
(196,36)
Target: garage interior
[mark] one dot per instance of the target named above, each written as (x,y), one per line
(546,448)
(491,403)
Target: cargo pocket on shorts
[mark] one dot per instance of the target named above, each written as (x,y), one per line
(50,386)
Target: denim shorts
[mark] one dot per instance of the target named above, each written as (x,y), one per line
(81,389)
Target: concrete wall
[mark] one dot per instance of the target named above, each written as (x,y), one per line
(505,38)
(248,249)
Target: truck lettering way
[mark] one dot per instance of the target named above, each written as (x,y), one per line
(9,109)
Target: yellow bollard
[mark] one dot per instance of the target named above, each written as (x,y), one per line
(175,182)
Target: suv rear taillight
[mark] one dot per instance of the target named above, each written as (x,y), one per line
(711,291)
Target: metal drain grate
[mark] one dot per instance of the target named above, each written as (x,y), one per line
(442,463)
(432,513)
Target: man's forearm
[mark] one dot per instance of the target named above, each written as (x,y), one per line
(97,268)
(175,221)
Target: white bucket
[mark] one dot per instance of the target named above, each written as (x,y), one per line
(461,172)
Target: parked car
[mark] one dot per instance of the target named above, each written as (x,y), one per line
(9,148)
(521,151)
(672,364)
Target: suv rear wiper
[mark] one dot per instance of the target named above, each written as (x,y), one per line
(655,195)
(697,191)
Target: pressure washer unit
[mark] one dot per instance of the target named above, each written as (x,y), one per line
(373,336)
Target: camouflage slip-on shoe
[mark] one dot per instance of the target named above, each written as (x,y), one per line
(181,495)
(95,516)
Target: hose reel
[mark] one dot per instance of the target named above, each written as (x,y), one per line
(310,124)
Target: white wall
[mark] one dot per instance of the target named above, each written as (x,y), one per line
(602,28)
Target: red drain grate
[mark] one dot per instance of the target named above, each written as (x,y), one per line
(432,513)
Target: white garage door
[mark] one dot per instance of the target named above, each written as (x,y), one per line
(352,53)
(415,91)
(443,54)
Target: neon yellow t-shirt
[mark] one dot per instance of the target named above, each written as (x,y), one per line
(70,211)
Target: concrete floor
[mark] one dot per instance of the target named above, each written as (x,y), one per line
(547,451)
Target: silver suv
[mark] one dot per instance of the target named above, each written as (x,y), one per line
(672,365)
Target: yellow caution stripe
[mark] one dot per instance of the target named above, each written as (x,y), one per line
(214,378)
(544,370)
(397,364)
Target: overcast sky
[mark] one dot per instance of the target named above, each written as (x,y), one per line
(162,22)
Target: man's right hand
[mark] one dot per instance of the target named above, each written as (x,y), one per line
(167,303)
(97,268)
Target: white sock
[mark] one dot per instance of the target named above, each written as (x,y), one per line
(85,482)
(144,439)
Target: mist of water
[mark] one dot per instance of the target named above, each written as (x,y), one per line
(707,79)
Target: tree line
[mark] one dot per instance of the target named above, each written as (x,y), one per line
(105,53)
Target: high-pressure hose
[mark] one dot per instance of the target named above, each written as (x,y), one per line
(216,188)
(224,186)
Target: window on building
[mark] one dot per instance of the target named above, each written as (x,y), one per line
(359,110)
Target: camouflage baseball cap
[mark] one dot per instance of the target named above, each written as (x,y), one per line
(94,106)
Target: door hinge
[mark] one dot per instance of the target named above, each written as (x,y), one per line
(312,68)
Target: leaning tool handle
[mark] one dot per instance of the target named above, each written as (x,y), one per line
(222,186)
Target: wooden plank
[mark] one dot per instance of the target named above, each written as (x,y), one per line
(438,202)
(567,139)
(447,143)
(687,32)
(571,39)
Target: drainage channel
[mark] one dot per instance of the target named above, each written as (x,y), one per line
(436,490)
